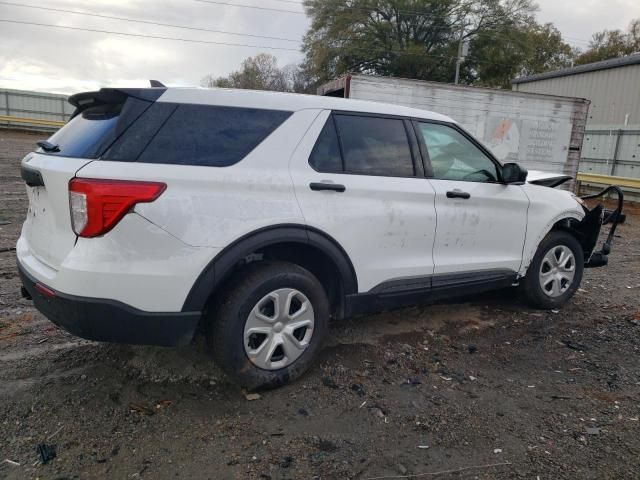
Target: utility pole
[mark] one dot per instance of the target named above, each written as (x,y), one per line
(461,52)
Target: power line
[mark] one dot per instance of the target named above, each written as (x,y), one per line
(147,22)
(140,35)
(255,7)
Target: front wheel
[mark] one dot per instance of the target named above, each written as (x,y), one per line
(269,325)
(555,272)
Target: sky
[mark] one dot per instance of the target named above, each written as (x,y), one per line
(50,59)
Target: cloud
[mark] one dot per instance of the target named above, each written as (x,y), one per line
(51,59)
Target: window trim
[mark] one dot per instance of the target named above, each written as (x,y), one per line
(464,133)
(417,172)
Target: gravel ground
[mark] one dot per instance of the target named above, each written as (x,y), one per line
(481,388)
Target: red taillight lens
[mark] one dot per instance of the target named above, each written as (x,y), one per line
(97,205)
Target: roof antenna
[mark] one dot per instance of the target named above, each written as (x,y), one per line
(156,83)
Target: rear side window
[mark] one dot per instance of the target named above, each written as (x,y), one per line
(363,145)
(89,133)
(210,135)
(325,156)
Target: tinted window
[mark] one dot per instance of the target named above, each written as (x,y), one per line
(375,146)
(454,157)
(212,136)
(128,147)
(325,156)
(86,133)
(89,133)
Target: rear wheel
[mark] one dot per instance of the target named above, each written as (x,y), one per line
(555,272)
(269,324)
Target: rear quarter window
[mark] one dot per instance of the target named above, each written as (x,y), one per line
(89,133)
(210,135)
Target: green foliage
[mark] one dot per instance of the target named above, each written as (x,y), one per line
(609,44)
(420,39)
(498,57)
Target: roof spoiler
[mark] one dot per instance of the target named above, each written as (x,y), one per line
(110,96)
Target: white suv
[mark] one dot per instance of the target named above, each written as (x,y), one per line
(256,217)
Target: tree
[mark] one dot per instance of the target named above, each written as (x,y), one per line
(404,38)
(497,58)
(261,73)
(609,44)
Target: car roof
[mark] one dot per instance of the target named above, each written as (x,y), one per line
(290,102)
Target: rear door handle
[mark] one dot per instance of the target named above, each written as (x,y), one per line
(458,194)
(334,187)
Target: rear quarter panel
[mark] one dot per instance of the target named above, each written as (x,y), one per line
(213,206)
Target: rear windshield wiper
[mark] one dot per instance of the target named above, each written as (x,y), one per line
(48,146)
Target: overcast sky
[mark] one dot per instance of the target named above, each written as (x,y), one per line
(57,60)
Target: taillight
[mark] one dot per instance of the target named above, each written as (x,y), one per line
(97,205)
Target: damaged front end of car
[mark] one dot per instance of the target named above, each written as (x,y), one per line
(588,229)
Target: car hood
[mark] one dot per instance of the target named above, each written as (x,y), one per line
(547,179)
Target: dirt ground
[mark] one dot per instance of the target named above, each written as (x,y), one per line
(483,388)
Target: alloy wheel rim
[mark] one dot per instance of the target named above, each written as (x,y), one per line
(557,271)
(278,329)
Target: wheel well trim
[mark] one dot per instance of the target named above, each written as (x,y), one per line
(528,255)
(217,270)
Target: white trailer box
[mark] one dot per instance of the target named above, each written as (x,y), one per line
(540,132)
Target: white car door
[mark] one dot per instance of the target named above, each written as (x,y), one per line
(359,179)
(481,223)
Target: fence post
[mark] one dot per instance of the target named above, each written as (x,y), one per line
(615,152)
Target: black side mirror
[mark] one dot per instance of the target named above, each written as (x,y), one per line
(514,174)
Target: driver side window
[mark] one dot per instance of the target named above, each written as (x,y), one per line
(454,157)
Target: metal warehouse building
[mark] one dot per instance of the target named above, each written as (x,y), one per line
(612,138)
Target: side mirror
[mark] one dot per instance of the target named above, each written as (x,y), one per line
(514,174)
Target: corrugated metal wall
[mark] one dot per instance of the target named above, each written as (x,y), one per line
(23,106)
(611,151)
(612,138)
(614,93)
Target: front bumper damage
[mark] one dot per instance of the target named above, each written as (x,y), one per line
(590,226)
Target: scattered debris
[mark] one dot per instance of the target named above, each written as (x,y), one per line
(359,389)
(46,452)
(163,403)
(497,450)
(593,431)
(11,462)
(402,469)
(472,378)
(55,433)
(251,396)
(423,447)
(7,249)
(472,349)
(328,382)
(444,472)
(304,413)
(5,222)
(141,408)
(574,345)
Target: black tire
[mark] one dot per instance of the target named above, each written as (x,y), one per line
(531,286)
(226,322)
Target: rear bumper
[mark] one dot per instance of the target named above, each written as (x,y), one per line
(109,320)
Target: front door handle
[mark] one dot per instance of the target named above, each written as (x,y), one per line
(334,187)
(458,194)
